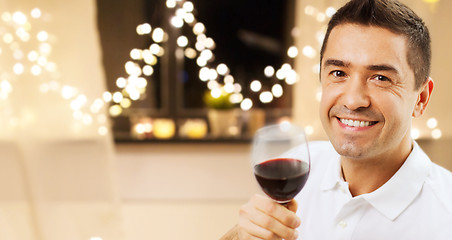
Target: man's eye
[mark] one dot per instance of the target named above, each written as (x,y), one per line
(381,78)
(338,73)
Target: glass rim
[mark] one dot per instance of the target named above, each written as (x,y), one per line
(279,128)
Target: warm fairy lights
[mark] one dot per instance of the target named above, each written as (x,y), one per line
(292,52)
(432,123)
(246,104)
(269,71)
(28,49)
(415,133)
(218,79)
(255,86)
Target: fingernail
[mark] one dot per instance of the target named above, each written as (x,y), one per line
(297,222)
(295,235)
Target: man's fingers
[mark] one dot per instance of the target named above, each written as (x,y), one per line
(263,218)
(284,215)
(254,231)
(292,206)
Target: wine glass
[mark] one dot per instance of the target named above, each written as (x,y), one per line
(280,159)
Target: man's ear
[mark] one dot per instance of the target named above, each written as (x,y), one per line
(424,93)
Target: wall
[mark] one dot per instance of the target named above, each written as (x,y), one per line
(182,191)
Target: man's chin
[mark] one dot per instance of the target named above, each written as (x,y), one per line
(350,150)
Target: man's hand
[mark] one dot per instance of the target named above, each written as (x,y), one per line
(263,218)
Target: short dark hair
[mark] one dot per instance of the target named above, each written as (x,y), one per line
(397,18)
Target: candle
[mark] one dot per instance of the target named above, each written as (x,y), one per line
(142,127)
(164,128)
(194,128)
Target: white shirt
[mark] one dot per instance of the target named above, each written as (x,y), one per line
(416,203)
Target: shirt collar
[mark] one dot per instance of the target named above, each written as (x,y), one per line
(398,192)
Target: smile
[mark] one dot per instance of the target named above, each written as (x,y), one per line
(356,123)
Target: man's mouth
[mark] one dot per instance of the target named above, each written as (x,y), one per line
(356,123)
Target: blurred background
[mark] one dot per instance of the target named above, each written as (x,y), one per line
(133,119)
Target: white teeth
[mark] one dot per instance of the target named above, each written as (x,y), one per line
(355,123)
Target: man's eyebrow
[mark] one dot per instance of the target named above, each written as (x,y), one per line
(335,62)
(383,67)
(376,67)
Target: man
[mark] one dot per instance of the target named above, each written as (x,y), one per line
(372,181)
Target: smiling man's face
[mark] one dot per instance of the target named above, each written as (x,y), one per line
(368,93)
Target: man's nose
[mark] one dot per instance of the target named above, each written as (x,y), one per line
(356,94)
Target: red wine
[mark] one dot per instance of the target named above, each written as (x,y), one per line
(282,178)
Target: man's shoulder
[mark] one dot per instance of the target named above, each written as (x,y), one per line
(440,180)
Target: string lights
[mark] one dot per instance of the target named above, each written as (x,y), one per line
(218,78)
(27,52)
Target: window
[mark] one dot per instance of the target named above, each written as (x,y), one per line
(248,36)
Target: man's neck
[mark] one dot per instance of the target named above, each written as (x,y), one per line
(365,176)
